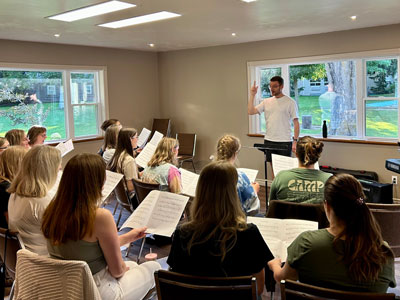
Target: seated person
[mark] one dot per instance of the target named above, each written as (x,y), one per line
(29,195)
(104,126)
(162,168)
(302,184)
(17,137)
(110,142)
(350,254)
(37,135)
(77,229)
(217,241)
(227,150)
(3,144)
(123,162)
(10,162)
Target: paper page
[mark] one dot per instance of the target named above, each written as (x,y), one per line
(140,217)
(145,155)
(65,147)
(156,138)
(252,174)
(52,192)
(292,228)
(159,211)
(269,227)
(280,162)
(112,180)
(143,137)
(167,213)
(189,182)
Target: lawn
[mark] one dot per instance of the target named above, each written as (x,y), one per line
(381,117)
(85,121)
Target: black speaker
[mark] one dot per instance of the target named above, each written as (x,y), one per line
(377,192)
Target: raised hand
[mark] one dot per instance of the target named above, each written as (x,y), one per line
(254,89)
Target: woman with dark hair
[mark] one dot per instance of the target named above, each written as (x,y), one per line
(77,229)
(217,241)
(37,135)
(305,183)
(123,161)
(350,254)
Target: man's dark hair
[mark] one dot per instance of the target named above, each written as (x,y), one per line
(277,78)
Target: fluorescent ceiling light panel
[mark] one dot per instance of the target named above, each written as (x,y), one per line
(91,11)
(248,1)
(162,15)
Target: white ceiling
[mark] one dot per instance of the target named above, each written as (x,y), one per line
(203,22)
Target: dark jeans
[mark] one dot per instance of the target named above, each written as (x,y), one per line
(281,148)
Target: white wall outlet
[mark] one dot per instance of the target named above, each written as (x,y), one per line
(394,179)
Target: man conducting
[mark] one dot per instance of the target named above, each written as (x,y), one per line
(279,111)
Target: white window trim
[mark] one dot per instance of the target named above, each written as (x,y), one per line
(102,90)
(254,122)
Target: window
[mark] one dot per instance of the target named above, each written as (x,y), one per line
(69,103)
(357,95)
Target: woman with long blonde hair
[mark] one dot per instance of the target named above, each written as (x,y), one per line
(350,254)
(228,148)
(4,144)
(305,183)
(217,241)
(162,168)
(17,137)
(77,229)
(10,162)
(29,195)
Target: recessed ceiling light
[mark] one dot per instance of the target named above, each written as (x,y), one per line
(162,15)
(248,1)
(151,45)
(91,11)
(57,35)
(353,18)
(233,34)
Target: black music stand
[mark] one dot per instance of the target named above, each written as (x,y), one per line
(265,150)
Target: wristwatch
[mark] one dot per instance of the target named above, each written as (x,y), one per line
(295,139)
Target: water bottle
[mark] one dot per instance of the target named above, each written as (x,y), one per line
(324,130)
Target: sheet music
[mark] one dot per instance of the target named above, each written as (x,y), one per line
(112,180)
(278,234)
(143,137)
(159,211)
(280,163)
(157,136)
(251,173)
(145,155)
(189,182)
(65,147)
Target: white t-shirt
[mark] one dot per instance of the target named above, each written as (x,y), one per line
(25,216)
(279,113)
(108,154)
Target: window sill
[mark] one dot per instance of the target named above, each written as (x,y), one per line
(76,141)
(350,141)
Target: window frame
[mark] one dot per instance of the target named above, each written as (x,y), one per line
(66,70)
(360,59)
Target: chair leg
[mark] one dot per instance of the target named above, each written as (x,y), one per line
(141,249)
(115,208)
(127,250)
(194,169)
(120,214)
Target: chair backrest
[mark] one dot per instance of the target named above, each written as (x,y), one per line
(293,290)
(389,221)
(171,285)
(187,143)
(142,189)
(383,206)
(122,195)
(303,211)
(42,277)
(162,126)
(14,243)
